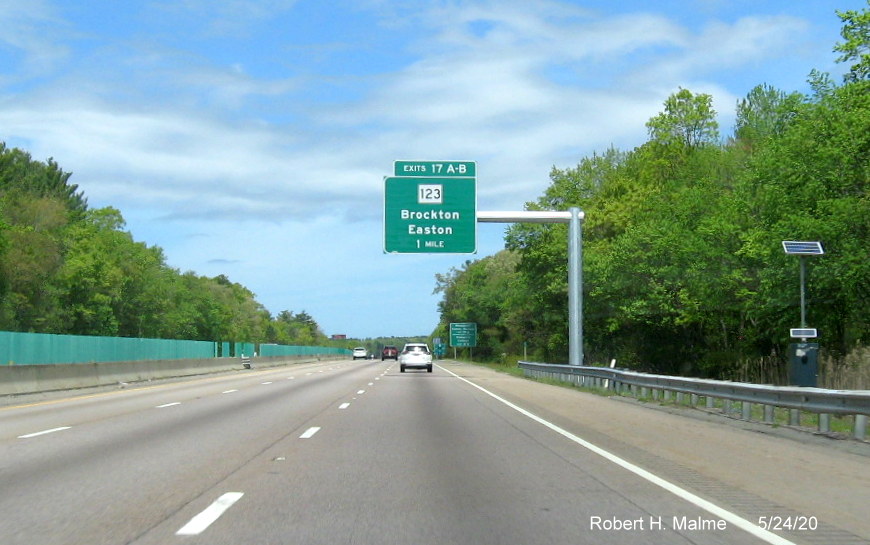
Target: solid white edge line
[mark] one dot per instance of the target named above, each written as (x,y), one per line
(710,507)
(43,432)
(309,433)
(211,513)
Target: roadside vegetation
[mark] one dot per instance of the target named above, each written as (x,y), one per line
(683,270)
(66,268)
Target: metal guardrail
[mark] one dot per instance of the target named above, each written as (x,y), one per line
(816,400)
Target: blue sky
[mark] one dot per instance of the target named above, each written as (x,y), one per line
(251,138)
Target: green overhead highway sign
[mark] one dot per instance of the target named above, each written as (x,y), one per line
(434,213)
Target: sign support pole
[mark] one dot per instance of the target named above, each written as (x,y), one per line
(573,217)
(575,290)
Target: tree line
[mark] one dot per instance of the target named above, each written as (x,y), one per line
(66,268)
(683,270)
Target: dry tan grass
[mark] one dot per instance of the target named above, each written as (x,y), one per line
(850,373)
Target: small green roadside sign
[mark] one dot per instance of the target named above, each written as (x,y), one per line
(431,207)
(463,335)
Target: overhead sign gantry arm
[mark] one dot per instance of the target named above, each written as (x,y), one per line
(574,218)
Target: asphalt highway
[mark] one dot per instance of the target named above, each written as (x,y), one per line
(349,452)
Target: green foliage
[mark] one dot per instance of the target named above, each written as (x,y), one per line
(688,121)
(19,172)
(683,266)
(290,328)
(30,256)
(65,268)
(482,292)
(856,32)
(812,184)
(765,113)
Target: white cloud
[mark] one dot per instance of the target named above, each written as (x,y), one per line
(749,40)
(230,88)
(174,159)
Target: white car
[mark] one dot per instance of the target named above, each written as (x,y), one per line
(360,353)
(415,356)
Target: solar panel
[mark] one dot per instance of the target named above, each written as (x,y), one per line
(795,247)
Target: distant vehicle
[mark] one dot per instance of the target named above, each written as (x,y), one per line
(415,356)
(390,352)
(360,353)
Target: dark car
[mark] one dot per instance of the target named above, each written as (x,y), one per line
(390,352)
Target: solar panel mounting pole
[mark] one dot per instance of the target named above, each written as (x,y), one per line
(803,261)
(802,249)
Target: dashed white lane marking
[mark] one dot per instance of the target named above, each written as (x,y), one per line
(229,391)
(361,392)
(265,383)
(344,406)
(309,433)
(211,513)
(168,405)
(43,432)
(710,507)
(371,383)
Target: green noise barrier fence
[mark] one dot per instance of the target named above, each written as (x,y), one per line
(43,348)
(290,350)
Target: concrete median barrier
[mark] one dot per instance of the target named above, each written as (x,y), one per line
(32,379)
